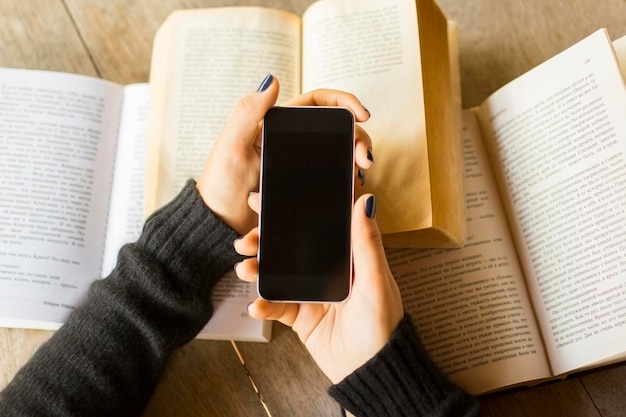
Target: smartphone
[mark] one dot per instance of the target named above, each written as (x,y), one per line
(307,194)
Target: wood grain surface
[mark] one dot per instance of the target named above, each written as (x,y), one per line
(498,41)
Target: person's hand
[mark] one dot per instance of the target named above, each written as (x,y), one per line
(232,169)
(340,336)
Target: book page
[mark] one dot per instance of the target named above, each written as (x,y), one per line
(59,135)
(230,319)
(557,138)
(620,51)
(204,61)
(126,212)
(470,305)
(371,49)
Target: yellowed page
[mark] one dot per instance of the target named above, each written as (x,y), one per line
(557,137)
(470,305)
(204,61)
(371,48)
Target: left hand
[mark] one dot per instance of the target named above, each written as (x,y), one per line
(233,166)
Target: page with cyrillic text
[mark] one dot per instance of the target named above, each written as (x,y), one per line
(557,140)
(59,134)
(372,50)
(470,305)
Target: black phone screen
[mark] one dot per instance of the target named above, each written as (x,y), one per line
(307,174)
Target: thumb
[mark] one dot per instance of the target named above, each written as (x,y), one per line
(373,281)
(370,261)
(250,110)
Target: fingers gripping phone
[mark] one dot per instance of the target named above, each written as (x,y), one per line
(307,193)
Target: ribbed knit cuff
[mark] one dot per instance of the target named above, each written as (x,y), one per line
(189,240)
(107,358)
(402,380)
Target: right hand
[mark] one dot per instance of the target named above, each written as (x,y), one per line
(341,336)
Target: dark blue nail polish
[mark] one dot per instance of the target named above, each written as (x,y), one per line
(267,81)
(368,112)
(370,207)
(361,176)
(370,156)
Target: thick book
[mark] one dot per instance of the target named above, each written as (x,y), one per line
(395,56)
(538,291)
(71,194)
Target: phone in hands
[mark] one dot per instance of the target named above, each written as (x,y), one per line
(307,194)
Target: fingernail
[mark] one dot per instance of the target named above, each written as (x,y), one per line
(370,156)
(267,81)
(368,112)
(370,207)
(361,176)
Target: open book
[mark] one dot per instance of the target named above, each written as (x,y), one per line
(71,194)
(539,288)
(393,55)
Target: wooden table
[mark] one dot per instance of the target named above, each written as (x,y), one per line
(499,40)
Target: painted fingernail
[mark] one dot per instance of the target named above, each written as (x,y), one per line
(367,110)
(361,176)
(267,81)
(370,207)
(370,156)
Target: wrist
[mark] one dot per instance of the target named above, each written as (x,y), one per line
(230,207)
(401,379)
(181,234)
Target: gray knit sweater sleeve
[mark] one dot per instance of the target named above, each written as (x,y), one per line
(402,380)
(107,358)
(109,355)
